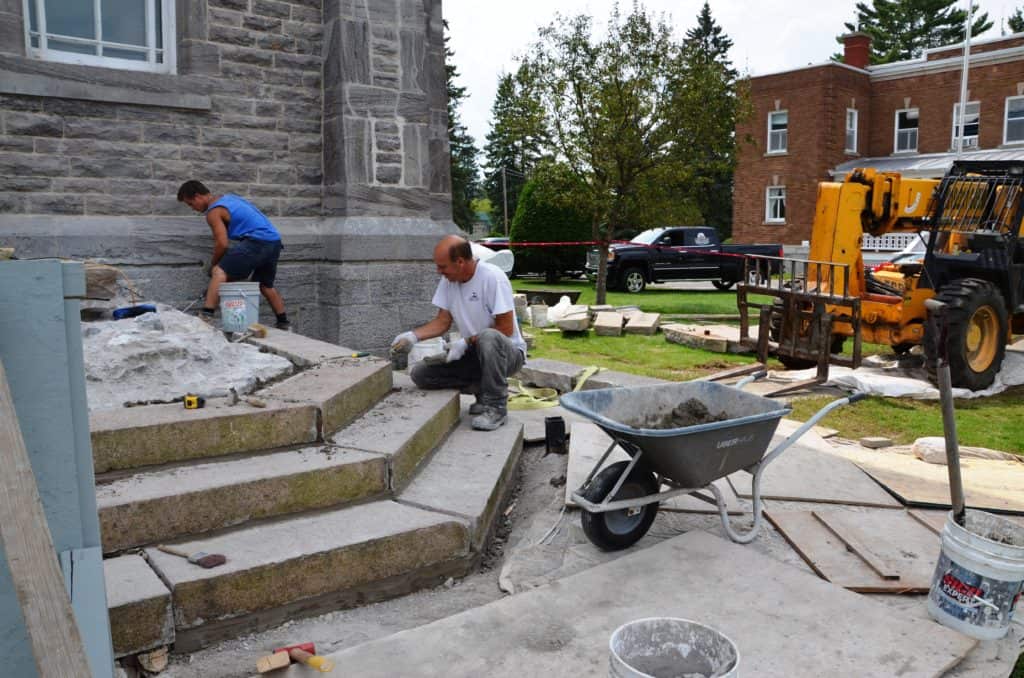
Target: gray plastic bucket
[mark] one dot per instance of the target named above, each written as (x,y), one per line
(979,576)
(666,647)
(239,305)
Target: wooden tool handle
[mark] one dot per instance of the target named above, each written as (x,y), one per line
(272,662)
(321,664)
(172,551)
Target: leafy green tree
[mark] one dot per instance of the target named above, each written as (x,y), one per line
(548,211)
(1015,22)
(903,29)
(465,173)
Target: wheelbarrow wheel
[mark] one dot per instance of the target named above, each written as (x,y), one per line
(616,530)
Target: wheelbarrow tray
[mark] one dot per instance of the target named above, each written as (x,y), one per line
(690,456)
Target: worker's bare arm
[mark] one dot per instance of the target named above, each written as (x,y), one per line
(218,219)
(436,327)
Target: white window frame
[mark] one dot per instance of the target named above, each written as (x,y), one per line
(784,133)
(769,199)
(851,147)
(168,51)
(970,140)
(1006,122)
(896,131)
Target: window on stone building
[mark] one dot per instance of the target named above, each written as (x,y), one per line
(1013,127)
(851,130)
(972,119)
(128,34)
(778,125)
(906,130)
(775,205)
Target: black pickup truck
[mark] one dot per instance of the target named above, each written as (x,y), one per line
(676,253)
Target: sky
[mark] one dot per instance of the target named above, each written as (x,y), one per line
(768,35)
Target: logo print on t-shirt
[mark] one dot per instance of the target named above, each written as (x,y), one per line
(474,297)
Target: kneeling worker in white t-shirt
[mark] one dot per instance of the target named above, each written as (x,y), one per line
(478,297)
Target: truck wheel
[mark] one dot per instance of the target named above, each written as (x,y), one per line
(723,284)
(633,280)
(616,530)
(977,329)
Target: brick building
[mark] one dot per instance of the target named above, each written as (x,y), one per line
(328,114)
(816,123)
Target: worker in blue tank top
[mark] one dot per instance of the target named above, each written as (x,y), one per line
(255,254)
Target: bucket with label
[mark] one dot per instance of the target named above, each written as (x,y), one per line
(239,305)
(660,647)
(979,576)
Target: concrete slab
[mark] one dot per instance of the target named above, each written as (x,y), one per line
(159,434)
(608,324)
(300,558)
(139,605)
(718,338)
(643,323)
(785,622)
(341,390)
(302,351)
(404,427)
(578,321)
(550,374)
(470,476)
(163,505)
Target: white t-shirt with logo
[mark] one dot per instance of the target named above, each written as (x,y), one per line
(474,303)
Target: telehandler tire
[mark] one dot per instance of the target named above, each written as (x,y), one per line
(976,319)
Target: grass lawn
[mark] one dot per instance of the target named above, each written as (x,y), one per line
(650,300)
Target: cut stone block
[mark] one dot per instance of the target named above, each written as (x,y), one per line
(875,442)
(404,428)
(550,374)
(574,322)
(168,504)
(484,464)
(296,559)
(159,434)
(301,350)
(608,324)
(717,338)
(139,605)
(643,323)
(341,390)
(600,308)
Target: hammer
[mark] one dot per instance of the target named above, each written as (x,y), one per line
(284,656)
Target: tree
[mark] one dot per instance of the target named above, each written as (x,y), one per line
(903,29)
(464,170)
(1015,22)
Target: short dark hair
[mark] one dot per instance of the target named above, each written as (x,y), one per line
(191,189)
(460,250)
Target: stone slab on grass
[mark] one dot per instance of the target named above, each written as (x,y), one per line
(717,338)
(643,323)
(608,324)
(578,321)
(404,427)
(294,559)
(785,622)
(469,476)
(302,351)
(341,390)
(159,434)
(546,373)
(139,605)
(171,503)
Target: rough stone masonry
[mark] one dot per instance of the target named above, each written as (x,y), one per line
(329,114)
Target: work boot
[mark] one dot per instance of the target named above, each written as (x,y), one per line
(284,325)
(477,407)
(490,419)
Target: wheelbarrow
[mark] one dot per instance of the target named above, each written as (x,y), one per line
(620,502)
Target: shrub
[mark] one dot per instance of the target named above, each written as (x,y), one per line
(549,211)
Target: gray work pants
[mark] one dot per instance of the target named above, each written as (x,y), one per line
(484,370)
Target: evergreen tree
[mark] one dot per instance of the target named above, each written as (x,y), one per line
(1015,22)
(903,29)
(464,170)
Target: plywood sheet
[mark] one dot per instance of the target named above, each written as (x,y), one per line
(892,537)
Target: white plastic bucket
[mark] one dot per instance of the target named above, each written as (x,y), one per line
(239,305)
(660,647)
(979,576)
(539,315)
(428,348)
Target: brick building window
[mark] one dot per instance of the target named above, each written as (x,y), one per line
(775,205)
(972,119)
(1013,126)
(127,34)
(778,126)
(851,130)
(906,130)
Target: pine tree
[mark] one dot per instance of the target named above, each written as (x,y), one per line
(464,170)
(903,29)
(1015,22)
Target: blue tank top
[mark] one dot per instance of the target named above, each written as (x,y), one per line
(246,221)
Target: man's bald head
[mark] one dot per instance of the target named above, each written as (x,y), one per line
(453,257)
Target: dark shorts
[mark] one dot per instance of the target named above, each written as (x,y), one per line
(252,259)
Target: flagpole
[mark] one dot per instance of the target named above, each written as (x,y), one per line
(961,121)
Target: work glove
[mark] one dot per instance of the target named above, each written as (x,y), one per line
(456,350)
(404,342)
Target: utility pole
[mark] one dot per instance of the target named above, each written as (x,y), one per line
(504,197)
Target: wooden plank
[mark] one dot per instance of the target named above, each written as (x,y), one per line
(854,540)
(25,537)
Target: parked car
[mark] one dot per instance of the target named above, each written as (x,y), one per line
(676,253)
(495,243)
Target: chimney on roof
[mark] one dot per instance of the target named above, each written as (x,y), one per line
(856,49)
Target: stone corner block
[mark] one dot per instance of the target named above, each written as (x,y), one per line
(139,605)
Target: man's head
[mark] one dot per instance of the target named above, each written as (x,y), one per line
(194,194)
(453,257)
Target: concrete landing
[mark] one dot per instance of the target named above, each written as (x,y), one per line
(404,428)
(305,557)
(785,622)
(164,505)
(139,606)
(300,350)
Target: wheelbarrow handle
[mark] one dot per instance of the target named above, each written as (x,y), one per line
(753,377)
(807,425)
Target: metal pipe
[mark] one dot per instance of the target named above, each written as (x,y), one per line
(937,310)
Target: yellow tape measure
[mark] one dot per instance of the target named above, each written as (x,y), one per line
(194,402)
